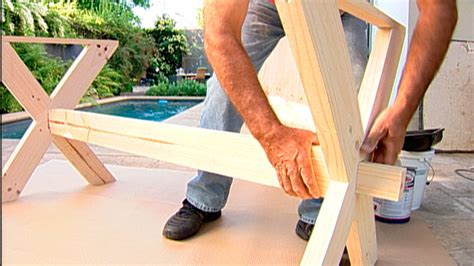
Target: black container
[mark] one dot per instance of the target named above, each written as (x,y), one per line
(422,140)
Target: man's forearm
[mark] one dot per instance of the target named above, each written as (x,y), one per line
(239,80)
(428,47)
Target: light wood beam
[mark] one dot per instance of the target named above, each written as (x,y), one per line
(379,77)
(226,153)
(68,93)
(326,244)
(325,71)
(374,95)
(48,40)
(81,74)
(83,159)
(363,10)
(24,159)
(35,142)
(22,84)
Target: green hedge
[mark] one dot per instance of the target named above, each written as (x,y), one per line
(182,88)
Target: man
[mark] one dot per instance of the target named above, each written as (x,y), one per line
(239,36)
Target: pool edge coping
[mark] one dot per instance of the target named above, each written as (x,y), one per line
(18,116)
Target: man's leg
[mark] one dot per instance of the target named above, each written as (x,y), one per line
(207,193)
(356,36)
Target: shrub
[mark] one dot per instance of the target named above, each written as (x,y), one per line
(183,88)
(136,50)
(32,18)
(108,83)
(171,45)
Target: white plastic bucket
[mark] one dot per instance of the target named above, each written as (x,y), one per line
(421,161)
(397,212)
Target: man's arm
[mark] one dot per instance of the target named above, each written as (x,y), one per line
(288,149)
(428,47)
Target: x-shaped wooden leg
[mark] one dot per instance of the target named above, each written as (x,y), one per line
(29,93)
(317,40)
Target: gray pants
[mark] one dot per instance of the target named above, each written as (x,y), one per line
(261,32)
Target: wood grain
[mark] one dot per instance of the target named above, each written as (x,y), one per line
(48,40)
(24,159)
(226,153)
(83,159)
(22,84)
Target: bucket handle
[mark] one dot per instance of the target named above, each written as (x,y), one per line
(425,161)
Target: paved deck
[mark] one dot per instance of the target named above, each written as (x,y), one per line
(448,210)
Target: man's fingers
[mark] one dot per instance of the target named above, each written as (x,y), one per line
(390,154)
(307,174)
(378,156)
(284,180)
(372,139)
(297,183)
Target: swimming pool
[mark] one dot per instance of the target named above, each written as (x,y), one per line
(154,110)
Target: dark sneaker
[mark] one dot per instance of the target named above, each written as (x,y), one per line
(303,230)
(187,222)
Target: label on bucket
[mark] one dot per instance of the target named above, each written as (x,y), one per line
(397,211)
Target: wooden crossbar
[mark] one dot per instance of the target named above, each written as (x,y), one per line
(230,154)
(49,40)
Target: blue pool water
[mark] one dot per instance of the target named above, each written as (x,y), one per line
(154,110)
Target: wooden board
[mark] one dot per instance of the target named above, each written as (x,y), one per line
(24,159)
(83,159)
(22,84)
(28,39)
(226,153)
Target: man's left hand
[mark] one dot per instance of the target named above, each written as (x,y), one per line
(385,138)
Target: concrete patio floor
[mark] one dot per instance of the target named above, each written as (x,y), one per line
(448,208)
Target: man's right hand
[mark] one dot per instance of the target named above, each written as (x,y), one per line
(289,151)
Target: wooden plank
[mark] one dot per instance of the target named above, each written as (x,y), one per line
(317,40)
(325,72)
(81,75)
(379,77)
(226,153)
(324,246)
(362,240)
(23,85)
(28,39)
(374,95)
(83,159)
(292,114)
(303,22)
(367,12)
(67,94)
(24,159)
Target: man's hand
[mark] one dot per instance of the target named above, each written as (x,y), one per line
(289,151)
(428,47)
(385,138)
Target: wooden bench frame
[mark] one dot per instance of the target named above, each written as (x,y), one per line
(347,181)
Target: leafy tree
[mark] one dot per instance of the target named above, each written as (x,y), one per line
(31,18)
(115,20)
(171,45)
